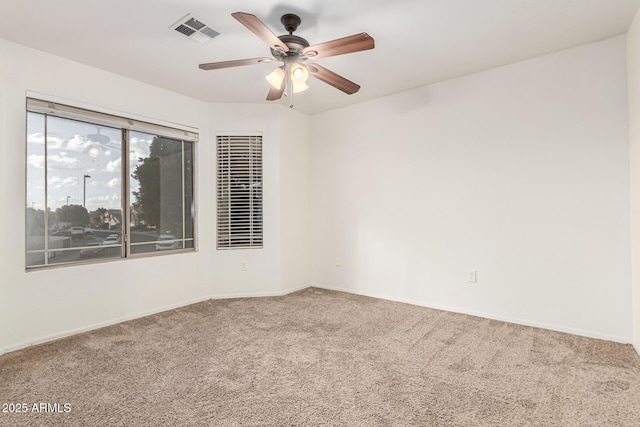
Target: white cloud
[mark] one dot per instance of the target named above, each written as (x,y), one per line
(36,161)
(63,182)
(38,138)
(35,138)
(138,149)
(114,165)
(115,182)
(112,201)
(62,162)
(81,143)
(57,161)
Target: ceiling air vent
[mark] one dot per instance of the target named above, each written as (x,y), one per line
(194,29)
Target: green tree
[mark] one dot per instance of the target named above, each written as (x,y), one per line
(76,215)
(159,197)
(96,216)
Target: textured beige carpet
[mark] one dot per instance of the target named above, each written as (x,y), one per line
(320,357)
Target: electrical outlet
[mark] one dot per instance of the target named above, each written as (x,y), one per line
(243,265)
(472,276)
(338,261)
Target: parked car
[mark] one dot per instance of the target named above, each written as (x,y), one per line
(94,249)
(77,232)
(111,239)
(166,242)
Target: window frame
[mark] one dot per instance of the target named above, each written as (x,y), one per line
(49,107)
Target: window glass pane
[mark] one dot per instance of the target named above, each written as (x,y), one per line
(84,189)
(188,191)
(35,225)
(158,193)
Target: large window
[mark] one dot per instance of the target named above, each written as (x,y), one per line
(239,191)
(105,187)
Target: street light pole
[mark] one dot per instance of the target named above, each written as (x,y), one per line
(84,194)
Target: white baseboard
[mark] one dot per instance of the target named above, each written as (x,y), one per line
(524,322)
(636,346)
(53,337)
(261,294)
(56,336)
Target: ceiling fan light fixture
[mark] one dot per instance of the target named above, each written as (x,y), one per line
(299,74)
(299,87)
(276,77)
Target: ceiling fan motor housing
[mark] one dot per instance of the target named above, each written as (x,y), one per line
(290,22)
(295,43)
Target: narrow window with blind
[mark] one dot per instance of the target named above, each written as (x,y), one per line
(239,191)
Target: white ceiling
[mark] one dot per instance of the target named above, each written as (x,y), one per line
(418,42)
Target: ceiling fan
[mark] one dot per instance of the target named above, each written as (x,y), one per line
(295,53)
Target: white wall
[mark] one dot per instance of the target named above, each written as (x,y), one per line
(5,215)
(263,265)
(633,73)
(520,173)
(41,305)
(295,141)
(47,303)
(282,265)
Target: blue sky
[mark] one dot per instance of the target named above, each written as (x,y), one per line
(74,150)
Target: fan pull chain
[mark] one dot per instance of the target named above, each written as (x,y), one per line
(290,89)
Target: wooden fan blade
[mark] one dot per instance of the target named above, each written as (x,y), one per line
(335,80)
(236,63)
(275,94)
(354,43)
(256,26)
